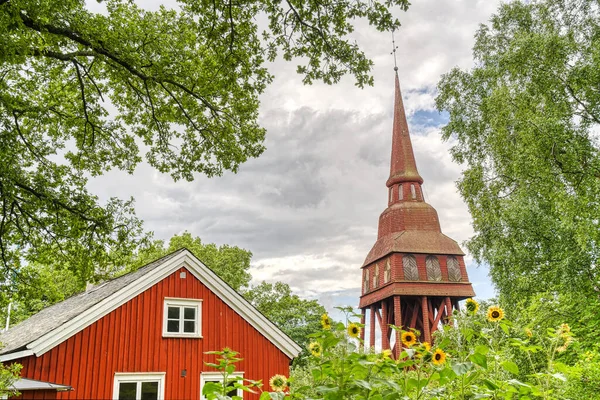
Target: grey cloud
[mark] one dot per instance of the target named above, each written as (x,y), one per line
(319,188)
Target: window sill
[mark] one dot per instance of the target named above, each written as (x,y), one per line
(182,335)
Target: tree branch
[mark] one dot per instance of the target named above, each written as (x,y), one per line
(98,50)
(581,103)
(43,196)
(62,56)
(84,103)
(27,144)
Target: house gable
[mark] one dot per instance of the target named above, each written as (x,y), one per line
(146,279)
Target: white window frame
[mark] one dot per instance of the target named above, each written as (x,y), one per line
(218,377)
(139,377)
(195,303)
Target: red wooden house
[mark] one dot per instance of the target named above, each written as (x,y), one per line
(143,336)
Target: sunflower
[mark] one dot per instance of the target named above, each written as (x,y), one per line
(564,335)
(278,383)
(439,357)
(326,322)
(315,349)
(426,346)
(495,314)
(528,332)
(568,340)
(409,338)
(353,330)
(472,306)
(565,328)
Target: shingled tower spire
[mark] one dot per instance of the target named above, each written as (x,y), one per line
(403,167)
(414,275)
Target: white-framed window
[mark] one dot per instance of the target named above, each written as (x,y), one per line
(218,377)
(182,318)
(139,386)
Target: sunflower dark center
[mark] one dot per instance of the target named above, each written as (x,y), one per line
(438,356)
(495,314)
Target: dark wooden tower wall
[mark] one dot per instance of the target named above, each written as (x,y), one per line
(414,275)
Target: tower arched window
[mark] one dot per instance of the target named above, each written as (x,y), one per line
(413,193)
(411,273)
(366,281)
(400,192)
(454,274)
(376,277)
(434,272)
(387,272)
(391,194)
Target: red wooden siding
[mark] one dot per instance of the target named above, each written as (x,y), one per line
(129,339)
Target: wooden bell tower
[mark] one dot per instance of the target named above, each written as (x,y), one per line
(414,276)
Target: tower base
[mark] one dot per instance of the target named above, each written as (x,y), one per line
(425,314)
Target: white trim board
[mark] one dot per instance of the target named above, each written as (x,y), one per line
(15,355)
(139,377)
(204,274)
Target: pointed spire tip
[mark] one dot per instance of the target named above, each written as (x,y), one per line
(403,167)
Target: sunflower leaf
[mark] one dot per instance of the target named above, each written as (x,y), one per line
(462,368)
(479,359)
(510,367)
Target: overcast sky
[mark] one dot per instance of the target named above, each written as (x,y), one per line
(308,207)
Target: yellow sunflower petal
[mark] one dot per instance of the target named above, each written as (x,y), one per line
(495,314)
(353,330)
(278,383)
(408,338)
(439,357)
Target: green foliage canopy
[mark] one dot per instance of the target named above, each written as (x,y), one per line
(526,121)
(40,286)
(230,263)
(297,317)
(84,92)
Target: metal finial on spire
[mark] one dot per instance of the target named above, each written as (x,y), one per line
(394,52)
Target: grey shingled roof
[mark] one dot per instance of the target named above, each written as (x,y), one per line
(50,318)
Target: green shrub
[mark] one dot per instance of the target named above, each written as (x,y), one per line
(481,355)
